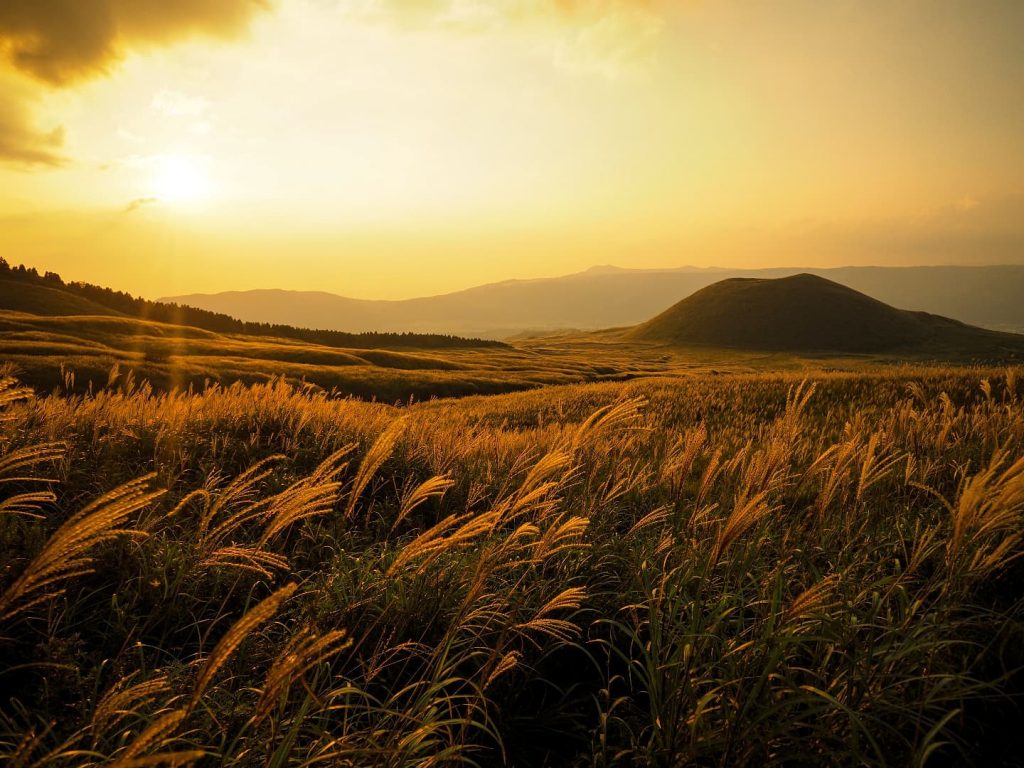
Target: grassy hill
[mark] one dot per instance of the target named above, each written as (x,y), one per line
(43,300)
(806,313)
(48,294)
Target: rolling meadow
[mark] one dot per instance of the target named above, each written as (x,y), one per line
(714,570)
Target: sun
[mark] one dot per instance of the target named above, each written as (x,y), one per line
(181,178)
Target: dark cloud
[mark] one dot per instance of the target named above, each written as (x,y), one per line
(21,144)
(21,141)
(63,41)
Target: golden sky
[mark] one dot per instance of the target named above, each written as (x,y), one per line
(392,148)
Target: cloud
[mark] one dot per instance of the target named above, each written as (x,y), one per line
(126,135)
(602,37)
(60,42)
(139,202)
(22,142)
(176,104)
(613,44)
(482,14)
(63,42)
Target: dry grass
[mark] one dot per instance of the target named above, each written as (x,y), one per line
(66,554)
(734,570)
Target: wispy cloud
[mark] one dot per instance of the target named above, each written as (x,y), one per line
(613,44)
(139,202)
(594,37)
(176,104)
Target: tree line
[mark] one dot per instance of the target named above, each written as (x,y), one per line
(178,314)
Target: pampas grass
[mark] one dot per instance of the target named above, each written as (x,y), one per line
(741,570)
(66,554)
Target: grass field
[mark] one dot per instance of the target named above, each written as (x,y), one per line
(735,570)
(44,348)
(75,353)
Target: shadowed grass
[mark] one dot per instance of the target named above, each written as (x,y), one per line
(738,570)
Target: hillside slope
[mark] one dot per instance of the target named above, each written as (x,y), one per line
(43,351)
(43,300)
(805,312)
(23,289)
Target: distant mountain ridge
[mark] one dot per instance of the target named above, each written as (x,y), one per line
(807,313)
(607,296)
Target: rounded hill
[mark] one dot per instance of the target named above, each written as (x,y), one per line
(799,313)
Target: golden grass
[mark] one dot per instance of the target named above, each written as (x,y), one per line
(67,553)
(303,651)
(372,461)
(987,517)
(732,570)
(227,645)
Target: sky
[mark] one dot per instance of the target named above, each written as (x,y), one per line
(396,148)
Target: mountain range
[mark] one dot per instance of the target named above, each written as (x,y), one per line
(602,297)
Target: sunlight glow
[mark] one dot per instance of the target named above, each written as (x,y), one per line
(180,178)
(389,149)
